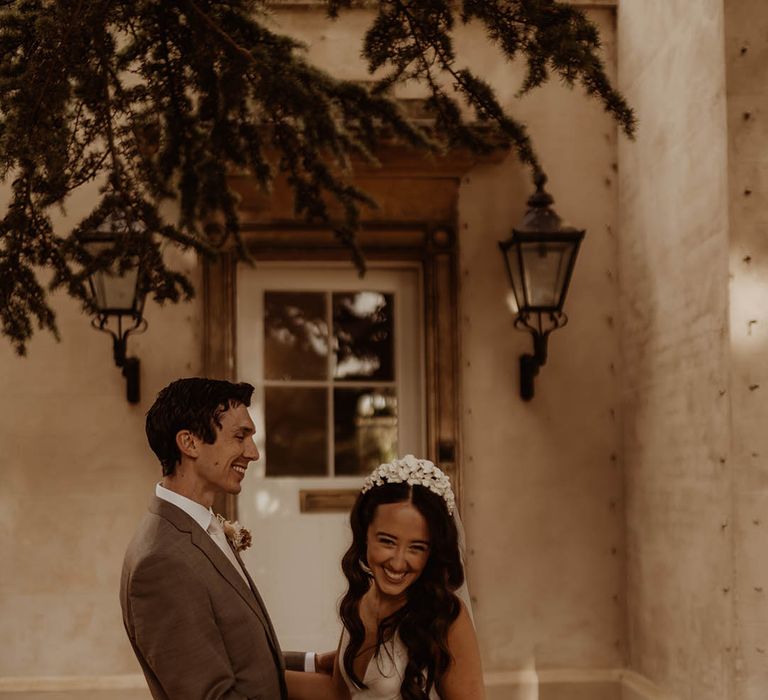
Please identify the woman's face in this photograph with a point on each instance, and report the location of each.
(398, 547)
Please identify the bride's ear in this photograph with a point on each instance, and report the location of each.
(187, 443)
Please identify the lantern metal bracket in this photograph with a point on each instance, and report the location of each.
(129, 365)
(530, 364)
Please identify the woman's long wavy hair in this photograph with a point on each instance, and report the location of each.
(431, 605)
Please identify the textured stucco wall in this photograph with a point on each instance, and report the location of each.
(543, 479)
(746, 49)
(76, 477)
(674, 252)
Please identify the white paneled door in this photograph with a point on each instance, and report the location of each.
(337, 362)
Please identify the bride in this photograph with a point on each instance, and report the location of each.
(406, 634)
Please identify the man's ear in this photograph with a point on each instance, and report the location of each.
(187, 443)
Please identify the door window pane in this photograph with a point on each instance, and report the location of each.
(295, 419)
(363, 336)
(295, 335)
(365, 428)
(302, 382)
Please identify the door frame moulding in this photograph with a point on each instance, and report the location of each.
(431, 244)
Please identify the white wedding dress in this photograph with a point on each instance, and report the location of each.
(384, 674)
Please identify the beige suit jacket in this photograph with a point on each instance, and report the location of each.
(197, 629)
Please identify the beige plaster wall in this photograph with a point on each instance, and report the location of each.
(76, 476)
(543, 478)
(746, 49)
(543, 485)
(676, 398)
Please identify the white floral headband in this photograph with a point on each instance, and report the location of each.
(416, 472)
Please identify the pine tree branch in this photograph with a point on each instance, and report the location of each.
(553, 34)
(387, 44)
(159, 101)
(220, 33)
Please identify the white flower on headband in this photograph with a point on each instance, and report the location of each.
(416, 472)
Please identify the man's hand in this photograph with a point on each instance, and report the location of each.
(324, 662)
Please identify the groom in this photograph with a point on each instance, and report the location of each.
(193, 615)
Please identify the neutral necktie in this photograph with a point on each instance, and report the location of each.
(216, 531)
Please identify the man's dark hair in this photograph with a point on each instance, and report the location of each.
(193, 404)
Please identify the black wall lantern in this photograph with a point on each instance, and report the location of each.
(539, 255)
(117, 293)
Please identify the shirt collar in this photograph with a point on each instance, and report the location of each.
(199, 513)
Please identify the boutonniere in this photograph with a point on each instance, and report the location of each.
(238, 535)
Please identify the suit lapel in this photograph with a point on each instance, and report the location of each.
(270, 629)
(202, 540)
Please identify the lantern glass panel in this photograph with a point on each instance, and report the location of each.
(514, 268)
(112, 291)
(116, 292)
(546, 265)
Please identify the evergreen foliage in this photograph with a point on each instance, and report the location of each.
(161, 99)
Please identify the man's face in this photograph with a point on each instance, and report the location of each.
(220, 467)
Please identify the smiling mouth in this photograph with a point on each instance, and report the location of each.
(393, 577)
(239, 470)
